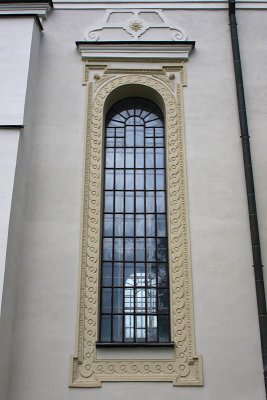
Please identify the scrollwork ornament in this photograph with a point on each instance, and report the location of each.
(185, 368)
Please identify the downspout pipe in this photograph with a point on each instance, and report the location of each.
(253, 219)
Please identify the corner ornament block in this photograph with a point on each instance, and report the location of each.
(105, 76)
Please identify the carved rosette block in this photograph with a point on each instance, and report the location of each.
(184, 368)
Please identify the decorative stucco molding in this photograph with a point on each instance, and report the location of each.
(41, 9)
(184, 368)
(132, 24)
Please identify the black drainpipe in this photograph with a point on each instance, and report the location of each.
(253, 219)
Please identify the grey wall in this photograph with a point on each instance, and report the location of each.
(46, 209)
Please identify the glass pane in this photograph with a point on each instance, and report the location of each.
(160, 181)
(129, 202)
(140, 275)
(149, 158)
(129, 274)
(160, 158)
(109, 179)
(161, 250)
(119, 179)
(119, 202)
(152, 328)
(117, 300)
(151, 274)
(150, 202)
(106, 300)
(150, 179)
(150, 225)
(109, 158)
(129, 300)
(160, 201)
(151, 300)
(140, 328)
(129, 225)
(140, 250)
(117, 328)
(129, 136)
(106, 274)
(108, 202)
(107, 249)
(129, 249)
(162, 275)
(161, 225)
(139, 179)
(139, 158)
(150, 250)
(108, 225)
(119, 158)
(164, 328)
(163, 301)
(118, 249)
(118, 225)
(118, 274)
(140, 300)
(129, 328)
(106, 328)
(139, 136)
(140, 225)
(139, 202)
(129, 162)
(129, 175)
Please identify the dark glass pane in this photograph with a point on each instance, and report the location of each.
(106, 274)
(117, 300)
(106, 300)
(164, 328)
(118, 274)
(151, 274)
(150, 225)
(161, 250)
(162, 275)
(129, 225)
(150, 250)
(152, 328)
(163, 301)
(161, 225)
(129, 249)
(139, 225)
(139, 249)
(107, 249)
(117, 328)
(106, 328)
(118, 249)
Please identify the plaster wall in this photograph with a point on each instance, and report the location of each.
(15, 47)
(49, 174)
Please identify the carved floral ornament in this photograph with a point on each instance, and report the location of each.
(128, 24)
(184, 368)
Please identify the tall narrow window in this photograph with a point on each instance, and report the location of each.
(134, 268)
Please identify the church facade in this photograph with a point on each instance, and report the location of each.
(130, 244)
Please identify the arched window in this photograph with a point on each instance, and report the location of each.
(134, 267)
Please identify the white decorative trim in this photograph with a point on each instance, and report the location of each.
(150, 4)
(136, 51)
(135, 25)
(40, 9)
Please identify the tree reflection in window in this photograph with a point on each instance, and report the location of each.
(134, 270)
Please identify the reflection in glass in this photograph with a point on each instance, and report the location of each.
(134, 269)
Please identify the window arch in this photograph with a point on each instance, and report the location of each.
(134, 267)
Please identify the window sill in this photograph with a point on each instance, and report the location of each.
(130, 345)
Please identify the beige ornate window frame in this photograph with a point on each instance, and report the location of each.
(161, 80)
